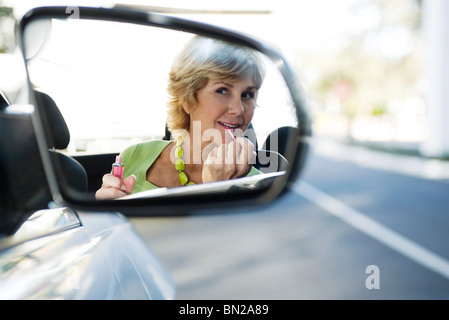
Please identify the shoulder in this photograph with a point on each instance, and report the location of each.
(144, 149)
(146, 146)
(253, 172)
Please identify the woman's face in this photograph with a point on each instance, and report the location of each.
(224, 105)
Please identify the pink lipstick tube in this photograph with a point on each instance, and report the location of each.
(118, 169)
(231, 134)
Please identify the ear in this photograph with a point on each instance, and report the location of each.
(186, 107)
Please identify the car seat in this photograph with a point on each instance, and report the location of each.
(277, 139)
(58, 138)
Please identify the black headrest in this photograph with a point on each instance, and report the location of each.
(277, 139)
(52, 116)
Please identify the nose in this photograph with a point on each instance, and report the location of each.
(236, 106)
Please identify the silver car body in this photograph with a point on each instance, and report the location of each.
(58, 254)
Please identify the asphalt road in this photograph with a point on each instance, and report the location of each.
(355, 226)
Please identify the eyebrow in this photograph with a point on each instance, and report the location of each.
(232, 86)
(222, 82)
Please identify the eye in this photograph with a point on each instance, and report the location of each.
(222, 91)
(248, 95)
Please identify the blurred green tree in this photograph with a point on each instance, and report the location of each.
(7, 27)
(380, 61)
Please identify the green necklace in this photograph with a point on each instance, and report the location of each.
(180, 165)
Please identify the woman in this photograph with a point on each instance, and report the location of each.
(213, 88)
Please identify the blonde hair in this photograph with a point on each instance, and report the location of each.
(201, 60)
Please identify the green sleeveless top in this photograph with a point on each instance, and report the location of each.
(139, 157)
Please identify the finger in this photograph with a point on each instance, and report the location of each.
(110, 181)
(252, 155)
(208, 150)
(246, 156)
(238, 150)
(229, 136)
(231, 153)
(209, 160)
(109, 193)
(212, 156)
(243, 151)
(129, 183)
(221, 154)
(252, 158)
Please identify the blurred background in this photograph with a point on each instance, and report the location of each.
(370, 67)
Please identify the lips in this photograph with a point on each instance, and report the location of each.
(229, 125)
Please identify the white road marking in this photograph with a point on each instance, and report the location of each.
(374, 229)
(415, 166)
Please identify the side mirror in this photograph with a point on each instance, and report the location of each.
(106, 70)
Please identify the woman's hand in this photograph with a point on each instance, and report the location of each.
(113, 187)
(229, 161)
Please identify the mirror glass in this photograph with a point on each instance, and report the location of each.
(109, 81)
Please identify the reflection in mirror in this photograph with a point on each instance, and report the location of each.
(169, 108)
